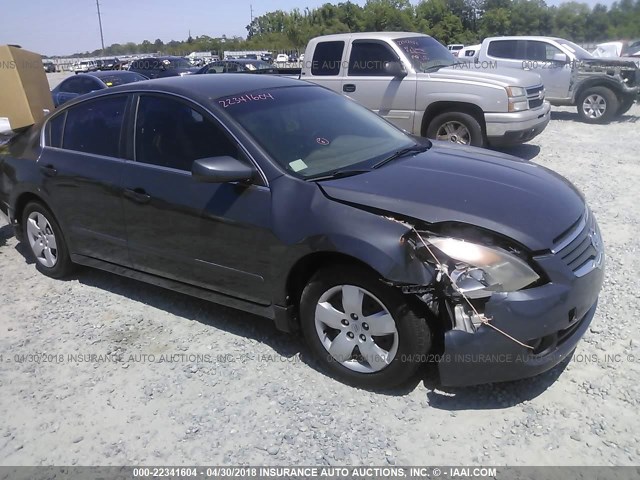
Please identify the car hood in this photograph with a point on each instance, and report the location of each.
(610, 62)
(523, 201)
(503, 77)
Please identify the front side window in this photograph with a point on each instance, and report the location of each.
(540, 51)
(95, 126)
(425, 53)
(369, 58)
(327, 58)
(310, 131)
(169, 133)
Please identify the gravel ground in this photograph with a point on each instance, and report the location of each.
(233, 390)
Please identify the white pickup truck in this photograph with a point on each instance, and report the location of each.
(601, 88)
(414, 82)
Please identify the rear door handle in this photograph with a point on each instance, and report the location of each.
(49, 170)
(137, 195)
(349, 88)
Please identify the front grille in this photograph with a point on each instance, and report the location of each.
(535, 96)
(581, 247)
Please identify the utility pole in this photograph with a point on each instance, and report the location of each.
(251, 7)
(100, 22)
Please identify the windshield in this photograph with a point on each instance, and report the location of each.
(577, 50)
(122, 78)
(425, 53)
(311, 131)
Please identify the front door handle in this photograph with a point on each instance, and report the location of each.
(49, 170)
(349, 88)
(138, 195)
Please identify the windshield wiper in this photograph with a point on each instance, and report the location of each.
(338, 174)
(417, 148)
(434, 68)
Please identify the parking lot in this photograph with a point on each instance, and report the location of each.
(103, 370)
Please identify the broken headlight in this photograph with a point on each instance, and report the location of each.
(479, 270)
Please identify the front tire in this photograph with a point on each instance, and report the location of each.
(362, 331)
(45, 240)
(456, 127)
(597, 105)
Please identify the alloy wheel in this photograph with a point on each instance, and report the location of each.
(356, 329)
(594, 106)
(42, 239)
(455, 132)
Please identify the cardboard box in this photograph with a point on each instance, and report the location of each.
(25, 97)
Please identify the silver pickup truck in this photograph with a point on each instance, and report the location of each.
(414, 82)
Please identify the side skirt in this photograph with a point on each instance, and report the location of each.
(271, 312)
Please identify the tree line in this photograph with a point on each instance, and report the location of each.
(449, 21)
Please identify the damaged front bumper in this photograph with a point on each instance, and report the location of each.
(552, 318)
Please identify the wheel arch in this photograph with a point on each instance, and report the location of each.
(305, 267)
(436, 108)
(604, 82)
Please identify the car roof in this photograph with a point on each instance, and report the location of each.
(203, 88)
(370, 35)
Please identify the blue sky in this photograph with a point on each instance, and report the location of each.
(66, 26)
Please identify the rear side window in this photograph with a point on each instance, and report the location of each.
(94, 127)
(369, 58)
(327, 58)
(171, 134)
(54, 131)
(503, 49)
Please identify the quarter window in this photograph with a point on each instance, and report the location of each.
(369, 58)
(169, 133)
(54, 131)
(503, 49)
(95, 126)
(327, 58)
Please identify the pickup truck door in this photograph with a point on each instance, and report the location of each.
(535, 56)
(552, 64)
(367, 82)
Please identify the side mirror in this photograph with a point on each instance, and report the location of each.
(560, 57)
(395, 69)
(221, 170)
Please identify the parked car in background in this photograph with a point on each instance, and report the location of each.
(455, 48)
(82, 84)
(242, 65)
(109, 64)
(469, 52)
(159, 67)
(85, 66)
(617, 49)
(293, 58)
(284, 199)
(602, 89)
(413, 81)
(282, 58)
(267, 57)
(49, 67)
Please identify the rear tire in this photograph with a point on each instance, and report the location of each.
(456, 127)
(45, 240)
(362, 331)
(597, 105)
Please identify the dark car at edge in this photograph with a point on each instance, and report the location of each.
(286, 200)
